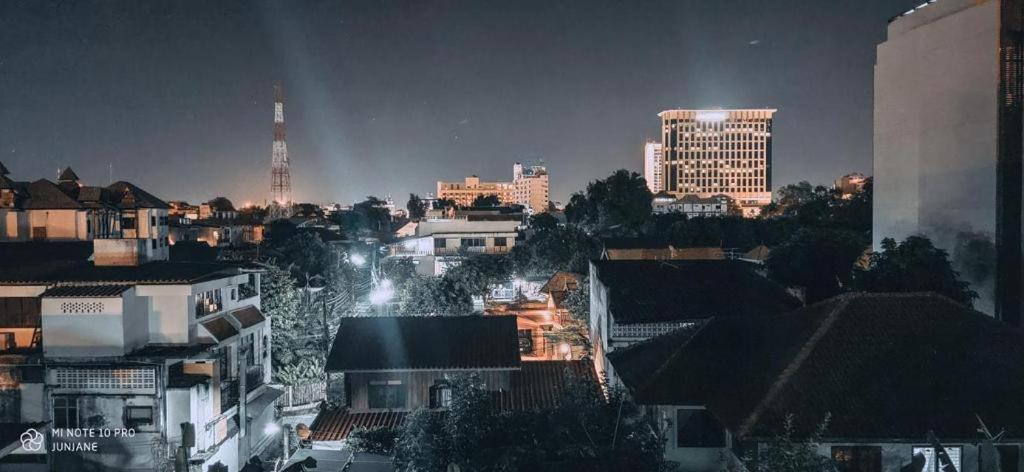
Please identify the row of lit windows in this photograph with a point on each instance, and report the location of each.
(106, 378)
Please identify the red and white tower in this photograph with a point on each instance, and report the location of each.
(280, 179)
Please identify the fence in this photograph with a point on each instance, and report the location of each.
(303, 395)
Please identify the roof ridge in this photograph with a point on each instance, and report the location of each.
(797, 362)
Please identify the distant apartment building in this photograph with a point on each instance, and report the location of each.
(849, 184)
(948, 141)
(654, 166)
(691, 205)
(710, 152)
(121, 214)
(529, 187)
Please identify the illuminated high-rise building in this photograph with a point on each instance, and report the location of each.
(715, 152)
(654, 169)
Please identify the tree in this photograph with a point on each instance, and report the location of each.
(280, 301)
(543, 222)
(619, 203)
(281, 231)
(490, 200)
(578, 302)
(914, 265)
(478, 273)
(787, 453)
(428, 295)
(416, 206)
(565, 248)
(369, 217)
(818, 259)
(584, 431)
(308, 256)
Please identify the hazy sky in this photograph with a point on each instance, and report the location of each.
(387, 97)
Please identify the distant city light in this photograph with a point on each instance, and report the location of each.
(712, 115)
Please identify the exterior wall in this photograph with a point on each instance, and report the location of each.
(22, 336)
(654, 168)
(897, 455)
(463, 193)
(13, 225)
(690, 459)
(599, 329)
(936, 84)
(60, 225)
(417, 385)
(87, 327)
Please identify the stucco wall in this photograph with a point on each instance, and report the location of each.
(90, 334)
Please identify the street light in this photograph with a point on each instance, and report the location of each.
(357, 259)
(383, 293)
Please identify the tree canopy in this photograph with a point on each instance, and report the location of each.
(818, 259)
(620, 203)
(914, 265)
(416, 206)
(489, 200)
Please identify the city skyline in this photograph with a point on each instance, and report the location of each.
(409, 95)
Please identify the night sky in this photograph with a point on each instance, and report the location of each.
(387, 97)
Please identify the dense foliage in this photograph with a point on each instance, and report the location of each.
(787, 453)
(584, 432)
(818, 259)
(416, 207)
(914, 265)
(619, 204)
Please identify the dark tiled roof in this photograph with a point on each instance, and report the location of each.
(413, 342)
(561, 281)
(248, 316)
(171, 351)
(83, 291)
(3, 170)
(886, 366)
(541, 384)
(220, 328)
(648, 291)
(127, 195)
(153, 273)
(635, 364)
(36, 253)
(335, 424)
(45, 195)
(20, 312)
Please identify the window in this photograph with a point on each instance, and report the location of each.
(697, 427)
(857, 458)
(525, 341)
(931, 463)
(386, 394)
(440, 394)
(500, 242)
(6, 341)
(38, 232)
(106, 379)
(152, 221)
(153, 243)
(138, 415)
(440, 243)
(65, 412)
(474, 242)
(1009, 458)
(127, 222)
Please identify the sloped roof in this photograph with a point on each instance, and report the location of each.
(84, 272)
(561, 281)
(425, 343)
(335, 424)
(647, 291)
(634, 243)
(220, 328)
(128, 196)
(635, 365)
(3, 169)
(20, 312)
(248, 316)
(542, 384)
(886, 366)
(45, 195)
(86, 291)
(67, 175)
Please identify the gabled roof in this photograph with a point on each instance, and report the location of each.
(220, 328)
(542, 384)
(425, 343)
(128, 196)
(634, 243)
(648, 291)
(561, 281)
(3, 169)
(20, 312)
(886, 366)
(67, 175)
(335, 424)
(248, 317)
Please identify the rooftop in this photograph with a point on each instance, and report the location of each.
(647, 291)
(84, 272)
(425, 343)
(849, 356)
(85, 291)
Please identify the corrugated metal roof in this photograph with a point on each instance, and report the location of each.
(86, 291)
(422, 343)
(541, 384)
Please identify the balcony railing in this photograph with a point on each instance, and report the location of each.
(253, 378)
(228, 394)
(454, 251)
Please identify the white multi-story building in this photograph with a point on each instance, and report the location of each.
(95, 338)
(654, 168)
(531, 187)
(443, 243)
(948, 142)
(710, 152)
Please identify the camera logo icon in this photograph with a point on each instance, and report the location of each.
(32, 440)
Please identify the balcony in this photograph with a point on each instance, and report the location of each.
(207, 307)
(455, 251)
(229, 387)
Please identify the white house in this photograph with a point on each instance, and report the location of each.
(442, 243)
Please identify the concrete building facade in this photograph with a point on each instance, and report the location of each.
(947, 140)
(710, 152)
(529, 187)
(654, 168)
